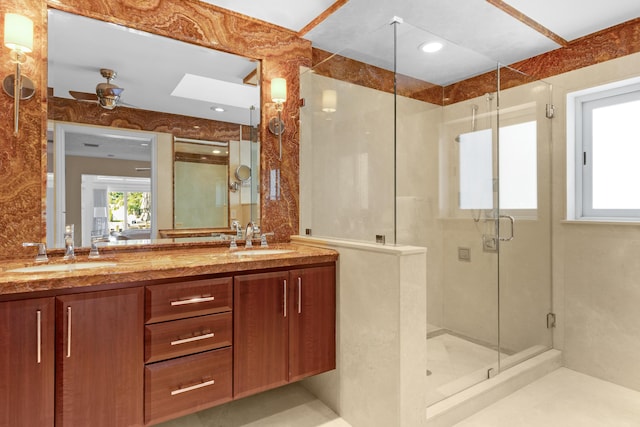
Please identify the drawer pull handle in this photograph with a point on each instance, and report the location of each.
(192, 301)
(193, 387)
(192, 339)
(284, 293)
(69, 331)
(299, 295)
(39, 335)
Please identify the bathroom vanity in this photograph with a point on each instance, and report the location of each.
(154, 335)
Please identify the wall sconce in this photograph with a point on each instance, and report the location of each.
(329, 101)
(18, 36)
(279, 96)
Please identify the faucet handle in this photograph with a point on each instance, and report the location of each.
(42, 251)
(233, 244)
(263, 239)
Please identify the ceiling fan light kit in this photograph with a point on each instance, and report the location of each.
(107, 94)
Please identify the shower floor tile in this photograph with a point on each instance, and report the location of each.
(560, 399)
(455, 364)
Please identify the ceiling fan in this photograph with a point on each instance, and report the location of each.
(107, 94)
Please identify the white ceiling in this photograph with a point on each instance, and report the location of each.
(479, 34)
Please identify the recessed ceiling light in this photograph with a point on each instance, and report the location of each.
(218, 109)
(430, 47)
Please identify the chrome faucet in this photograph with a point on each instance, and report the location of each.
(263, 239)
(251, 230)
(42, 251)
(93, 253)
(235, 225)
(69, 253)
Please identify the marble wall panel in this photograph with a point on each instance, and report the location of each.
(348, 70)
(68, 110)
(22, 156)
(611, 43)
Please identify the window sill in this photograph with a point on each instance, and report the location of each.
(602, 221)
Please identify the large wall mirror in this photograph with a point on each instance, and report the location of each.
(146, 134)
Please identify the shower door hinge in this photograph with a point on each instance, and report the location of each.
(550, 111)
(551, 320)
(491, 373)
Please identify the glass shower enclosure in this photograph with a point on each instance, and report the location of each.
(453, 159)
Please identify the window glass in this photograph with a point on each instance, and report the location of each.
(517, 165)
(606, 148)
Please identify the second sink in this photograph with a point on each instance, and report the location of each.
(252, 252)
(48, 268)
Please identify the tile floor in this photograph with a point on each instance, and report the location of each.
(455, 364)
(563, 398)
(288, 406)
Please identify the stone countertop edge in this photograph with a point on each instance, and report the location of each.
(155, 265)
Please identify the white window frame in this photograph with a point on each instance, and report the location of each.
(579, 180)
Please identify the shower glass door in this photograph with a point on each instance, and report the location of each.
(524, 216)
(447, 201)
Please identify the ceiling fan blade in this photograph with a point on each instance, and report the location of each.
(84, 96)
(125, 104)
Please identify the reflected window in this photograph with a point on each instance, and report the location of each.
(517, 168)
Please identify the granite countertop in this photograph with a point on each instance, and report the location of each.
(144, 265)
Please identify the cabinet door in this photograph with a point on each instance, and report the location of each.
(99, 359)
(26, 363)
(260, 332)
(312, 333)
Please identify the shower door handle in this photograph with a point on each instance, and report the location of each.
(511, 221)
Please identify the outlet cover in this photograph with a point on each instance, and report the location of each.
(464, 254)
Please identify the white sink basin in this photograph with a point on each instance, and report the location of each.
(47, 268)
(252, 252)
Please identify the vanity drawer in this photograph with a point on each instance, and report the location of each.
(181, 337)
(186, 299)
(187, 384)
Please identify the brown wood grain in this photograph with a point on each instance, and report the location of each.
(159, 336)
(312, 324)
(164, 377)
(100, 382)
(159, 298)
(26, 386)
(260, 333)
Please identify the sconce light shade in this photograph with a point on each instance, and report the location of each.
(278, 90)
(18, 36)
(329, 100)
(18, 32)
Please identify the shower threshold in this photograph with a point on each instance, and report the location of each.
(526, 367)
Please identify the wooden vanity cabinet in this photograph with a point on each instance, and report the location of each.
(27, 363)
(188, 347)
(99, 359)
(312, 326)
(260, 332)
(284, 327)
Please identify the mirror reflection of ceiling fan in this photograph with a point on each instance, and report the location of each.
(107, 94)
